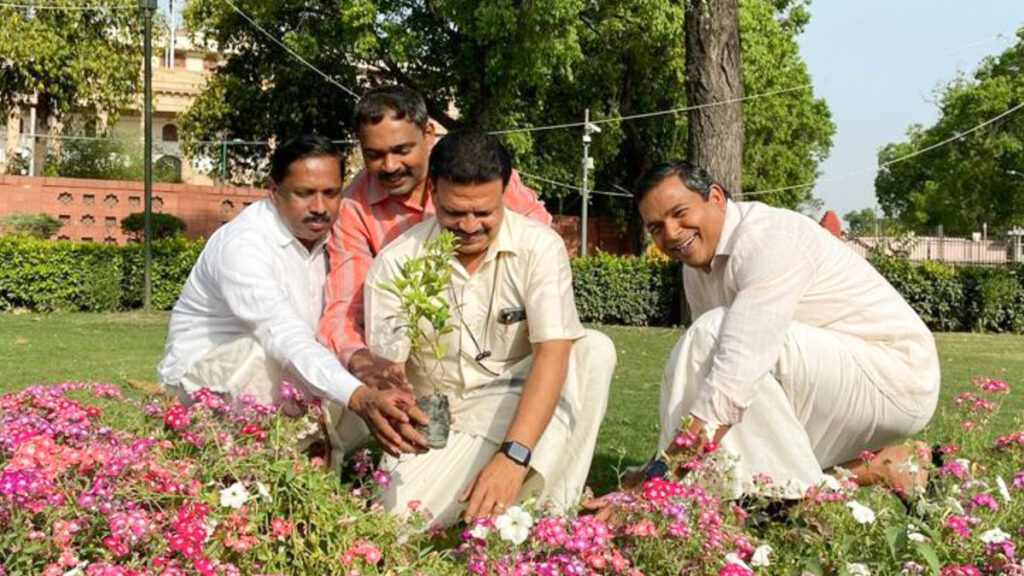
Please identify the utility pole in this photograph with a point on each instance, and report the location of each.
(588, 165)
(148, 7)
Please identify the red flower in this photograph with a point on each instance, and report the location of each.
(176, 417)
(115, 545)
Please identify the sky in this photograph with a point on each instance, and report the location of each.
(878, 64)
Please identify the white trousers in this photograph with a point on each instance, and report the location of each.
(436, 478)
(815, 409)
(236, 368)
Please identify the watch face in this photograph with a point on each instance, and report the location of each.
(517, 452)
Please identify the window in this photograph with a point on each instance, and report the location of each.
(170, 133)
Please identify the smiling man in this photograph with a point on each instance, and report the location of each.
(390, 196)
(247, 316)
(801, 355)
(527, 385)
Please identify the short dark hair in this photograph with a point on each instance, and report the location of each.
(470, 156)
(402, 102)
(298, 148)
(694, 177)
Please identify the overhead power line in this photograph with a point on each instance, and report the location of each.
(79, 7)
(270, 36)
(953, 138)
(570, 186)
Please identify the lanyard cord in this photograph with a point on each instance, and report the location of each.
(482, 353)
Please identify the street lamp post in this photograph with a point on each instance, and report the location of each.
(147, 8)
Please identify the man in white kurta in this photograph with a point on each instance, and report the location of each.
(246, 318)
(517, 297)
(800, 351)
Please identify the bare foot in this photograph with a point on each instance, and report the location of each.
(902, 467)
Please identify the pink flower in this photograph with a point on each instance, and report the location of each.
(642, 528)
(985, 500)
(732, 569)
(176, 417)
(990, 385)
(115, 545)
(280, 528)
(959, 525)
(960, 570)
(382, 478)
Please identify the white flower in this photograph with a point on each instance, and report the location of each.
(733, 558)
(234, 496)
(993, 536)
(78, 570)
(480, 532)
(857, 569)
(861, 513)
(1003, 490)
(954, 505)
(760, 555)
(263, 491)
(831, 483)
(514, 525)
(916, 537)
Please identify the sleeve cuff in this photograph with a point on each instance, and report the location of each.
(714, 407)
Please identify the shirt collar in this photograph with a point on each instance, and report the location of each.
(282, 235)
(727, 237)
(505, 241)
(376, 194)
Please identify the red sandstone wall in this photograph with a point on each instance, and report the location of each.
(92, 209)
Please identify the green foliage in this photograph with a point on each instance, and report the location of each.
(976, 181)
(615, 57)
(933, 289)
(630, 290)
(69, 59)
(36, 225)
(48, 276)
(420, 287)
(995, 299)
(164, 225)
(106, 158)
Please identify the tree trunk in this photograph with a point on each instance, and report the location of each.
(715, 140)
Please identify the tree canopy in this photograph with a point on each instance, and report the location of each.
(507, 65)
(69, 59)
(976, 179)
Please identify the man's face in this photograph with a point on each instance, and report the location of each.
(472, 211)
(684, 225)
(308, 196)
(396, 152)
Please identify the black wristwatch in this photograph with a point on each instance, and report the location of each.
(516, 452)
(657, 468)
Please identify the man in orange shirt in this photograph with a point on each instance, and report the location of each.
(390, 196)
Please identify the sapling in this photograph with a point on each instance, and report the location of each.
(424, 318)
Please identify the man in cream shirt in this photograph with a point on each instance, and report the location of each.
(247, 316)
(527, 384)
(801, 355)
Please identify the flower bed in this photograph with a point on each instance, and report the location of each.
(215, 489)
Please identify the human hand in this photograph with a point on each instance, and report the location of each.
(494, 489)
(391, 416)
(378, 372)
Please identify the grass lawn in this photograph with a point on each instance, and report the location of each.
(125, 348)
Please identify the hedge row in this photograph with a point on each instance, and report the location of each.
(46, 276)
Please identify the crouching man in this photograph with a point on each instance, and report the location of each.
(248, 314)
(528, 386)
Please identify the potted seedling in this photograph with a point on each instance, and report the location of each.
(424, 319)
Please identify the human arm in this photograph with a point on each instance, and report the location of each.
(342, 325)
(500, 480)
(771, 277)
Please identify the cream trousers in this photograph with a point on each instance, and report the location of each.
(815, 408)
(435, 479)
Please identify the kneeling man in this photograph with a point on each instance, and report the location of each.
(527, 384)
(800, 353)
(247, 316)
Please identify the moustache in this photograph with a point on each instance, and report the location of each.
(396, 174)
(314, 218)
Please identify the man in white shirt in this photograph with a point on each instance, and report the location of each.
(527, 385)
(801, 355)
(247, 316)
